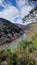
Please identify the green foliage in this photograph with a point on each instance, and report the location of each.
(24, 54)
(11, 59)
(29, 45)
(35, 41)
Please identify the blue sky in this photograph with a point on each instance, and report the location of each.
(13, 2)
(15, 10)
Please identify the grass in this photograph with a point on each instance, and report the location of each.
(26, 52)
(31, 30)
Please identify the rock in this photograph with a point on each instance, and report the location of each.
(3, 63)
(8, 31)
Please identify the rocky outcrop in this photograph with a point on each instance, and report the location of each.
(8, 32)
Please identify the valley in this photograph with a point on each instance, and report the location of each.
(18, 42)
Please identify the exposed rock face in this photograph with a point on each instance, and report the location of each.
(8, 32)
(31, 17)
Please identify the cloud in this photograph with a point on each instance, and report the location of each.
(23, 7)
(9, 12)
(20, 3)
(1, 2)
(25, 10)
(13, 13)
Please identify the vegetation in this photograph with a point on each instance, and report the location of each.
(24, 54)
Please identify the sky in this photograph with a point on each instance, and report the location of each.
(15, 10)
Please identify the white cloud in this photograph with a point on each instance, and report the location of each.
(1, 2)
(25, 10)
(13, 14)
(20, 3)
(9, 12)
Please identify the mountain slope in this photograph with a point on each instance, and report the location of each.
(30, 30)
(31, 17)
(26, 51)
(8, 31)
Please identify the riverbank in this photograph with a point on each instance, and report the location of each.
(13, 44)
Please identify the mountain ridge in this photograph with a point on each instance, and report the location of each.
(8, 31)
(31, 17)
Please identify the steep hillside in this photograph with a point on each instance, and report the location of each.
(31, 17)
(25, 53)
(30, 30)
(8, 32)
